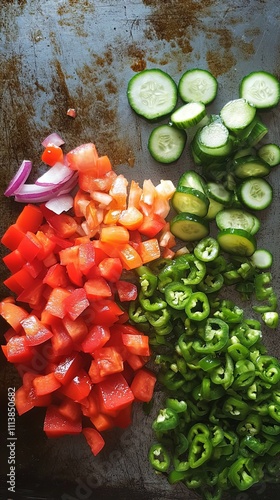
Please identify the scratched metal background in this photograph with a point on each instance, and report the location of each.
(56, 54)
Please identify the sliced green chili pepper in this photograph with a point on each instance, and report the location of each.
(274, 411)
(173, 271)
(148, 280)
(197, 307)
(159, 457)
(176, 476)
(217, 434)
(209, 362)
(158, 318)
(238, 351)
(270, 428)
(167, 419)
(270, 306)
(271, 319)
(244, 374)
(211, 283)
(136, 312)
(251, 425)
(207, 249)
(155, 303)
(247, 336)
(176, 405)
(223, 374)
(235, 408)
(200, 450)
(258, 445)
(215, 337)
(177, 295)
(268, 369)
(242, 473)
(262, 290)
(229, 312)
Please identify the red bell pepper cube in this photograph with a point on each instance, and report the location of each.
(89, 405)
(114, 392)
(68, 368)
(70, 409)
(36, 332)
(29, 247)
(56, 425)
(124, 417)
(110, 268)
(56, 276)
(13, 314)
(12, 237)
(14, 261)
(105, 312)
(17, 350)
(136, 362)
(86, 257)
(97, 289)
(102, 422)
(75, 274)
(45, 384)
(76, 328)
(76, 302)
(94, 439)
(136, 343)
(62, 343)
(126, 291)
(47, 245)
(56, 302)
(109, 361)
(79, 387)
(143, 385)
(96, 338)
(30, 218)
(35, 267)
(152, 224)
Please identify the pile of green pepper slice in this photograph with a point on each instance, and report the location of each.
(220, 427)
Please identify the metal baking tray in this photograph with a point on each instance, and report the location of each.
(60, 54)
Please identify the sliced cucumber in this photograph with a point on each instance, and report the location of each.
(270, 153)
(166, 143)
(218, 193)
(213, 209)
(198, 85)
(186, 199)
(189, 227)
(262, 258)
(212, 143)
(261, 89)
(188, 115)
(192, 179)
(152, 93)
(236, 218)
(250, 166)
(237, 115)
(255, 193)
(257, 133)
(237, 242)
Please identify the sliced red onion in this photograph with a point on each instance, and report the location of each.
(54, 139)
(61, 203)
(55, 175)
(33, 193)
(19, 178)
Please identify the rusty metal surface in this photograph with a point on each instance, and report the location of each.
(57, 54)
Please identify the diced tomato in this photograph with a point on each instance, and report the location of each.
(131, 218)
(55, 424)
(149, 250)
(143, 385)
(112, 216)
(94, 439)
(114, 392)
(152, 224)
(45, 384)
(52, 154)
(83, 158)
(114, 235)
(79, 387)
(135, 193)
(96, 338)
(81, 200)
(129, 256)
(103, 166)
(118, 191)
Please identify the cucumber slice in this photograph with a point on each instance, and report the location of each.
(261, 89)
(236, 218)
(188, 115)
(257, 133)
(237, 242)
(190, 200)
(255, 193)
(262, 258)
(212, 143)
(189, 227)
(198, 85)
(218, 192)
(214, 208)
(237, 115)
(270, 153)
(250, 166)
(166, 143)
(192, 179)
(152, 93)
